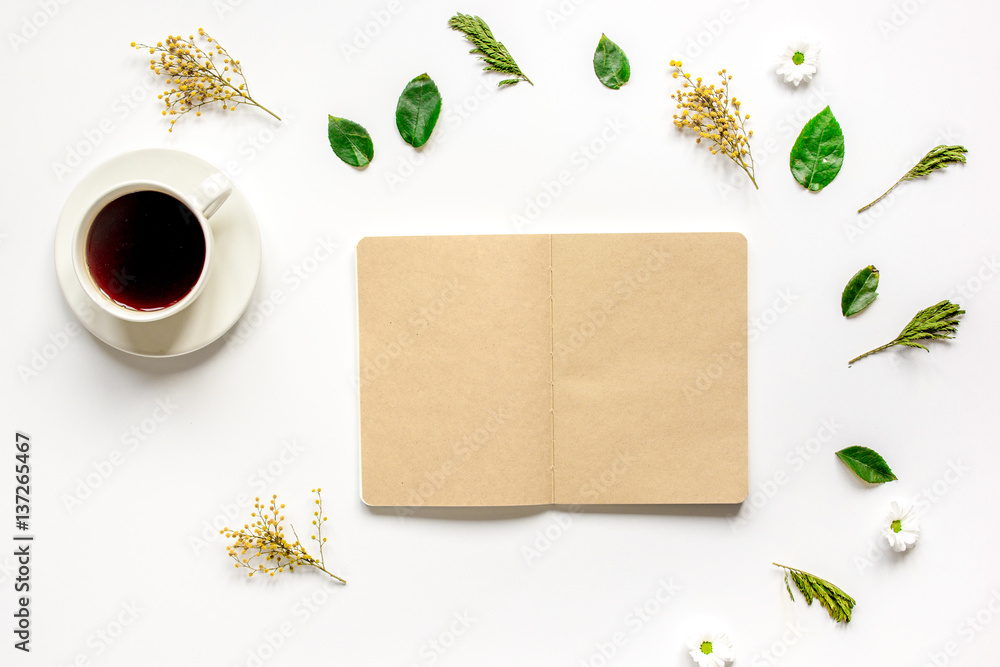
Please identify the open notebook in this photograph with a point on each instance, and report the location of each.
(565, 368)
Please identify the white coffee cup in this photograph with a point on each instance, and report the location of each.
(194, 207)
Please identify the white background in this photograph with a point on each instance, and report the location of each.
(901, 77)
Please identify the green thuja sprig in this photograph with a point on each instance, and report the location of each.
(939, 157)
(937, 321)
(490, 51)
(836, 602)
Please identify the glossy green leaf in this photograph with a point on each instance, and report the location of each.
(350, 141)
(611, 64)
(818, 153)
(860, 291)
(867, 464)
(417, 110)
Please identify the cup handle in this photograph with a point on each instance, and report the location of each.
(211, 194)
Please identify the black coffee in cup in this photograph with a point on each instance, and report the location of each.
(145, 250)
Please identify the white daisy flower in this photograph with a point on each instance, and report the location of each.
(798, 62)
(711, 649)
(901, 527)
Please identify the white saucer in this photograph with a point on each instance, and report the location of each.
(236, 263)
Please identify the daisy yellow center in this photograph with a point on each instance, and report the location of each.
(897, 526)
(706, 648)
(799, 58)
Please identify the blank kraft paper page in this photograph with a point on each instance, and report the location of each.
(537, 369)
(637, 319)
(455, 370)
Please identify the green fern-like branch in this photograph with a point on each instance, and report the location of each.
(938, 157)
(490, 51)
(937, 321)
(836, 602)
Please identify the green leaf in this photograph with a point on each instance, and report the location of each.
(350, 141)
(417, 110)
(836, 602)
(611, 64)
(860, 291)
(867, 464)
(818, 153)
